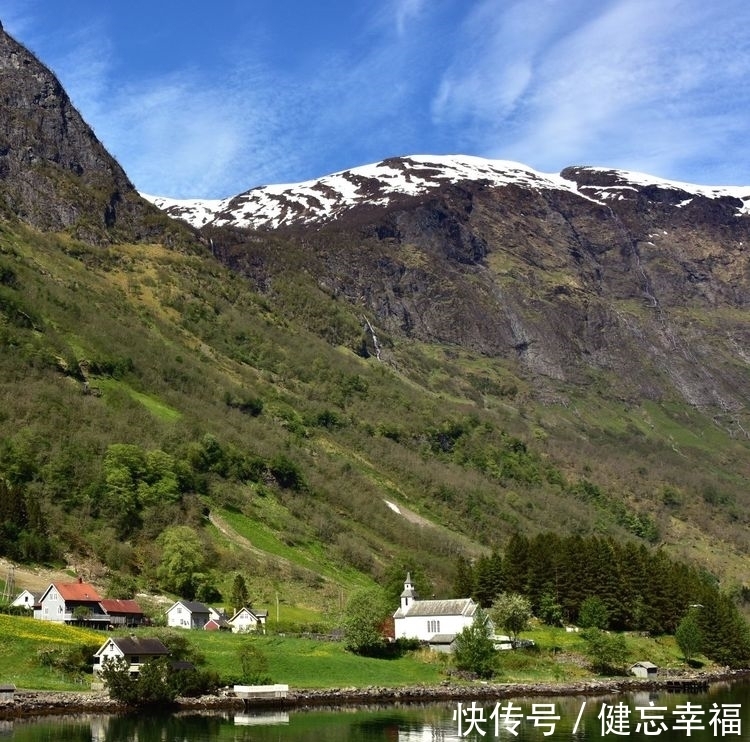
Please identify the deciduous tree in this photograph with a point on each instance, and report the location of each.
(365, 612)
(183, 559)
(688, 635)
(512, 612)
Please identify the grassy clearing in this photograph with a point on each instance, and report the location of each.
(309, 663)
(308, 556)
(156, 407)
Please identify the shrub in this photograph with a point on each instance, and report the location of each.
(254, 664)
(474, 650)
(607, 652)
(151, 687)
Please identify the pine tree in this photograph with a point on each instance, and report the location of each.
(463, 580)
(515, 564)
(240, 598)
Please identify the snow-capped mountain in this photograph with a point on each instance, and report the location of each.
(324, 199)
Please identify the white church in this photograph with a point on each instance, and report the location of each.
(434, 621)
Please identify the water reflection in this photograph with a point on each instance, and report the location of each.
(261, 719)
(580, 720)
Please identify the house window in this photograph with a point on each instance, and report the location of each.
(433, 627)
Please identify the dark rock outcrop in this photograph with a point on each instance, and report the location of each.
(54, 173)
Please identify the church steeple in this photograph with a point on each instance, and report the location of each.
(409, 594)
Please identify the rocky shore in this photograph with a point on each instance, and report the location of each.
(38, 703)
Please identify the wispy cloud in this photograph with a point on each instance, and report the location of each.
(656, 86)
(406, 11)
(634, 83)
(187, 136)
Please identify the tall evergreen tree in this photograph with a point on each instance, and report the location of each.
(726, 638)
(484, 582)
(463, 579)
(515, 564)
(240, 597)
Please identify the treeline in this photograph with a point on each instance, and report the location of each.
(638, 589)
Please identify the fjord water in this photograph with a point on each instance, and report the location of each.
(407, 723)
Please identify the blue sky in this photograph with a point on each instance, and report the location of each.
(208, 99)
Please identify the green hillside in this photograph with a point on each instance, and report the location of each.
(146, 387)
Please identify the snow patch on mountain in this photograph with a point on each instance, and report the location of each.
(323, 199)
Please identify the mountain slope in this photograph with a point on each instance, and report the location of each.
(325, 199)
(590, 273)
(522, 378)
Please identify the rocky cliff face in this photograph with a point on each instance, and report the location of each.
(54, 172)
(594, 277)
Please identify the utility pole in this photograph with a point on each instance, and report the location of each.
(10, 586)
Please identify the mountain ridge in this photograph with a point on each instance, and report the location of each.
(54, 172)
(324, 199)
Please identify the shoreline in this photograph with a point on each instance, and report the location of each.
(30, 703)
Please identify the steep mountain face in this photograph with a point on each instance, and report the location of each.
(54, 172)
(524, 321)
(592, 275)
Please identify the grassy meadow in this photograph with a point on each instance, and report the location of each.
(311, 663)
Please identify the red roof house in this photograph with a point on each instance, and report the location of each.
(66, 602)
(122, 612)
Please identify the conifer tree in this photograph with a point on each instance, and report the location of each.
(463, 580)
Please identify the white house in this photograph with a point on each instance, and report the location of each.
(27, 600)
(423, 619)
(60, 601)
(186, 614)
(248, 620)
(135, 650)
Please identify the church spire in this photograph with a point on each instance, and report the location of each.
(409, 594)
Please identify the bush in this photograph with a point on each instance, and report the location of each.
(607, 652)
(194, 682)
(74, 659)
(475, 651)
(151, 687)
(254, 664)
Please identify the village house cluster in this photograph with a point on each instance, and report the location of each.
(79, 603)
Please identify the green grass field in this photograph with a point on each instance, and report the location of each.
(310, 663)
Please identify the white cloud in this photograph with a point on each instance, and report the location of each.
(655, 86)
(553, 83)
(406, 11)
